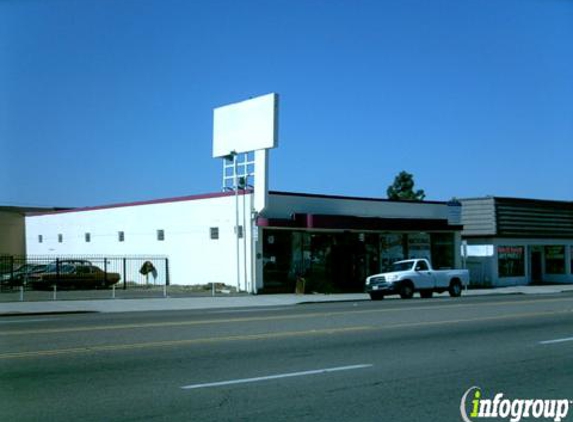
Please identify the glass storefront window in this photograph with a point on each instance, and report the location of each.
(419, 246)
(277, 256)
(511, 261)
(391, 249)
(443, 250)
(555, 259)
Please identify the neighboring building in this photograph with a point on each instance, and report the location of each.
(13, 229)
(333, 242)
(514, 241)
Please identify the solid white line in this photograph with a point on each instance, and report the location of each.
(272, 377)
(559, 340)
(14, 321)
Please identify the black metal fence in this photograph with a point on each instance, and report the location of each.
(83, 272)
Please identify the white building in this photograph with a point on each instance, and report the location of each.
(334, 242)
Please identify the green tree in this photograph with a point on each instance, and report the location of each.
(403, 188)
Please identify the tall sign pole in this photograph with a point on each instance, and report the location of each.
(243, 129)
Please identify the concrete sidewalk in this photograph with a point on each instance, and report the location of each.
(197, 303)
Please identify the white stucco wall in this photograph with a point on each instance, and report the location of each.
(193, 256)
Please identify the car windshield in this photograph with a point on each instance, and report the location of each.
(401, 266)
(24, 268)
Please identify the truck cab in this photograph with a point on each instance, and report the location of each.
(415, 275)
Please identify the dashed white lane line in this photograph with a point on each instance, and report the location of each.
(559, 340)
(274, 377)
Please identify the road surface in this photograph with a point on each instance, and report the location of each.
(394, 360)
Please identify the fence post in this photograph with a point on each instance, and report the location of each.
(113, 291)
(57, 268)
(11, 267)
(124, 273)
(55, 296)
(167, 271)
(164, 290)
(21, 293)
(213, 289)
(105, 270)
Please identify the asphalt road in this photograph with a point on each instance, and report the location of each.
(392, 360)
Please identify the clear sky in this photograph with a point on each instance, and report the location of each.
(105, 101)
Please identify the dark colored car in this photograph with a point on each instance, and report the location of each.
(20, 275)
(73, 276)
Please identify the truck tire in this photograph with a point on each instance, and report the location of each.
(455, 289)
(376, 296)
(426, 294)
(406, 290)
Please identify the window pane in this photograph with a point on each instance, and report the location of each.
(510, 261)
(555, 259)
(214, 231)
(419, 245)
(391, 249)
(443, 250)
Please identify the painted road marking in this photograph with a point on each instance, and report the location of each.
(15, 321)
(266, 336)
(274, 377)
(559, 340)
(88, 328)
(240, 311)
(185, 342)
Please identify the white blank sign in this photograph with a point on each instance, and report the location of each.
(249, 125)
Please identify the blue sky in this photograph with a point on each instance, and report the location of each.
(111, 100)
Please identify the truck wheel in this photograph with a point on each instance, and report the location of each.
(376, 296)
(455, 289)
(406, 290)
(426, 294)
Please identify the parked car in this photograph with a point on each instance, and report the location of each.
(20, 275)
(73, 276)
(416, 275)
(71, 262)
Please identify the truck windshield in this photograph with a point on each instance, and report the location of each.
(401, 266)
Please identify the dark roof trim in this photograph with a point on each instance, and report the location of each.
(353, 198)
(553, 237)
(529, 201)
(24, 210)
(150, 202)
(346, 222)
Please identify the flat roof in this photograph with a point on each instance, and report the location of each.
(529, 201)
(354, 198)
(138, 203)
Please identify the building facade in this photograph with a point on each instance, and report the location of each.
(332, 242)
(514, 241)
(335, 242)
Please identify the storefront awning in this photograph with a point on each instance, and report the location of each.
(347, 222)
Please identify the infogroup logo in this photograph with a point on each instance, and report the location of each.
(513, 409)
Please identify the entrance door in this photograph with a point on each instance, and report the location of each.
(536, 267)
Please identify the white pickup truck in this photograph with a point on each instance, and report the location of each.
(415, 275)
